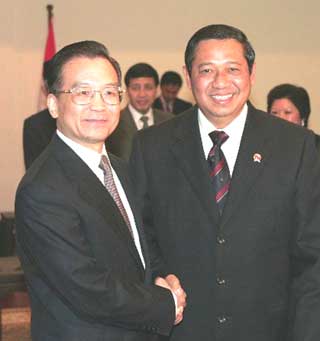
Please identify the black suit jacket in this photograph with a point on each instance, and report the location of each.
(179, 105)
(84, 275)
(38, 130)
(120, 141)
(252, 274)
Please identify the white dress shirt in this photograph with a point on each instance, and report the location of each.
(234, 130)
(136, 115)
(92, 160)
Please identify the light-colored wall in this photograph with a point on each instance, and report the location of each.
(284, 34)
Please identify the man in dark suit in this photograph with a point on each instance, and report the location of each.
(170, 85)
(141, 81)
(246, 248)
(79, 235)
(38, 130)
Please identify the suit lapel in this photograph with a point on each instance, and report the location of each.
(125, 181)
(156, 116)
(127, 123)
(94, 193)
(188, 151)
(255, 141)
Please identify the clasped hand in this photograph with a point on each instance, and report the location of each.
(172, 283)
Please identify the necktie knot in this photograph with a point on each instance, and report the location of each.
(104, 164)
(218, 137)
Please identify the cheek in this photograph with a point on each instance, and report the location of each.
(243, 84)
(200, 85)
(152, 93)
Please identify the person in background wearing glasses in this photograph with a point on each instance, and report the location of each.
(79, 234)
(142, 81)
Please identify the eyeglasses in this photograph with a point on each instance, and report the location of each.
(83, 95)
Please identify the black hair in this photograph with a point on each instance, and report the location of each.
(219, 32)
(296, 94)
(87, 48)
(171, 77)
(141, 70)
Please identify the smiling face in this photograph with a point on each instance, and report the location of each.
(90, 124)
(142, 92)
(220, 80)
(286, 110)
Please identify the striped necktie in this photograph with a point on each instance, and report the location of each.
(219, 170)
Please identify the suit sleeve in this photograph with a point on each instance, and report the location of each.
(305, 289)
(32, 144)
(29, 149)
(51, 239)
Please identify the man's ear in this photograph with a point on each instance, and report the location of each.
(186, 76)
(52, 104)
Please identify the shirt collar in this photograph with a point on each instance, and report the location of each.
(138, 114)
(234, 129)
(89, 156)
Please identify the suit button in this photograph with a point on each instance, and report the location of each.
(221, 281)
(222, 319)
(220, 240)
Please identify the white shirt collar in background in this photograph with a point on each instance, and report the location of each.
(136, 115)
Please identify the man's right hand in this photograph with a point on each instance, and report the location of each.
(172, 283)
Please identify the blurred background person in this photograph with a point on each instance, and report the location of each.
(291, 103)
(38, 128)
(141, 81)
(168, 101)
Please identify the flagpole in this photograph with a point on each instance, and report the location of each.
(50, 50)
(50, 12)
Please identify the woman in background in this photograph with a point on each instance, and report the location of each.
(291, 103)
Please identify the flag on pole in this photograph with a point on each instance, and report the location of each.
(49, 52)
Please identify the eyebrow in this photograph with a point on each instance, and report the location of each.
(227, 62)
(86, 83)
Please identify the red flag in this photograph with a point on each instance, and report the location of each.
(50, 44)
(49, 52)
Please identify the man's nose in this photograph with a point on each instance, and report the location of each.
(220, 79)
(97, 100)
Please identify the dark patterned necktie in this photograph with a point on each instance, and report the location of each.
(219, 170)
(144, 119)
(112, 189)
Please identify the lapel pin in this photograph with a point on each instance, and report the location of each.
(257, 157)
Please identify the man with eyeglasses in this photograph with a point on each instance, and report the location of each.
(142, 81)
(79, 234)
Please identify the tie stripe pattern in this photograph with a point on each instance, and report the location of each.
(112, 189)
(219, 170)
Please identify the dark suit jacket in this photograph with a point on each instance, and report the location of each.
(179, 105)
(120, 141)
(38, 130)
(84, 275)
(254, 273)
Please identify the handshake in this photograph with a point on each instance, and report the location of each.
(172, 283)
